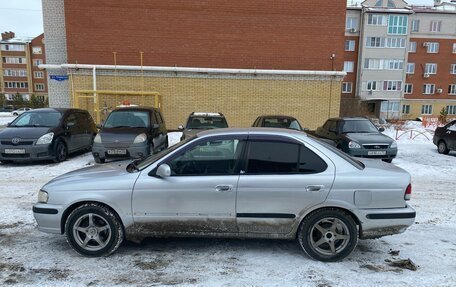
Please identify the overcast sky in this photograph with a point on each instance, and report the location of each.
(25, 18)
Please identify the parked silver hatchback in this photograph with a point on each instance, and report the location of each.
(239, 183)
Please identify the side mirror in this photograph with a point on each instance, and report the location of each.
(155, 126)
(381, 129)
(180, 127)
(99, 126)
(305, 129)
(163, 171)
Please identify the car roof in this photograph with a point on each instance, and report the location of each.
(252, 130)
(135, 108)
(277, 117)
(349, 119)
(60, 110)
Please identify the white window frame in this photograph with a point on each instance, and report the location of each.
(395, 42)
(405, 109)
(432, 47)
(372, 86)
(430, 68)
(412, 47)
(436, 26)
(37, 50)
(351, 23)
(375, 42)
(40, 87)
(452, 89)
(13, 47)
(38, 74)
(451, 109)
(347, 87)
(410, 68)
(351, 45)
(428, 89)
(37, 62)
(349, 66)
(392, 86)
(408, 88)
(453, 69)
(390, 106)
(415, 26)
(399, 28)
(454, 48)
(14, 60)
(426, 109)
(14, 73)
(377, 20)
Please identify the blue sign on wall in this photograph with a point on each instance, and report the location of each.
(59, 77)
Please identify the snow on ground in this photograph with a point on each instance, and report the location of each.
(5, 118)
(29, 257)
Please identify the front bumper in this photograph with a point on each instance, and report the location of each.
(31, 152)
(389, 153)
(376, 223)
(48, 217)
(132, 151)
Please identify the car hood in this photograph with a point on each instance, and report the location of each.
(369, 138)
(120, 134)
(24, 132)
(107, 176)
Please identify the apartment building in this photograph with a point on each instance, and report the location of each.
(19, 72)
(399, 59)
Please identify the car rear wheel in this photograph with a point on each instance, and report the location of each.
(328, 234)
(93, 230)
(442, 147)
(60, 151)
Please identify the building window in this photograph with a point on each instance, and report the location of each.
(430, 68)
(373, 64)
(39, 87)
(405, 109)
(390, 106)
(375, 42)
(394, 42)
(38, 74)
(428, 89)
(9, 47)
(371, 86)
(391, 64)
(37, 62)
(426, 109)
(379, 3)
(435, 26)
(415, 25)
(410, 68)
(37, 50)
(397, 25)
(453, 69)
(351, 23)
(392, 85)
(378, 20)
(348, 66)
(13, 60)
(14, 73)
(346, 87)
(408, 88)
(412, 47)
(16, 85)
(349, 45)
(432, 47)
(454, 48)
(451, 110)
(452, 89)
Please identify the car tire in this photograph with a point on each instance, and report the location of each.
(94, 230)
(442, 147)
(99, 160)
(6, 161)
(328, 234)
(60, 151)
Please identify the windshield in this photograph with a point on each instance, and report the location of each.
(37, 119)
(142, 163)
(206, 123)
(285, 123)
(361, 126)
(133, 119)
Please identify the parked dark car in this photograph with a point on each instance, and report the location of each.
(7, 108)
(197, 122)
(445, 138)
(132, 132)
(47, 134)
(276, 121)
(358, 137)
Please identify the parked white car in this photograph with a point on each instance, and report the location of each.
(20, 111)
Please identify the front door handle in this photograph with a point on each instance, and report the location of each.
(223, 188)
(314, 187)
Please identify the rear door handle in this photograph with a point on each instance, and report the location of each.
(314, 187)
(223, 188)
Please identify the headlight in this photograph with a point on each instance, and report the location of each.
(353, 144)
(43, 196)
(46, 139)
(97, 139)
(394, 145)
(140, 138)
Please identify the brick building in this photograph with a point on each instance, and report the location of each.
(242, 58)
(19, 72)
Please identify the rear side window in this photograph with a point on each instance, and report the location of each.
(273, 157)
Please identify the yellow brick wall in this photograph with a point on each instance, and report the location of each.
(240, 100)
(437, 105)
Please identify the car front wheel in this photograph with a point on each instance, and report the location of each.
(328, 234)
(442, 148)
(60, 151)
(93, 230)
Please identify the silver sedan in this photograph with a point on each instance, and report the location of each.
(236, 183)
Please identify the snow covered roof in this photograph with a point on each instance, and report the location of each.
(17, 40)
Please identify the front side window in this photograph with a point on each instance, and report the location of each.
(274, 157)
(133, 119)
(212, 157)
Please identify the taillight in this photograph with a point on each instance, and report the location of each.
(408, 192)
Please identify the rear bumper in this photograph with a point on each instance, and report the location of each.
(32, 153)
(376, 223)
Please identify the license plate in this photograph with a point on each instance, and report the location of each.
(15, 150)
(117, 151)
(377, 152)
